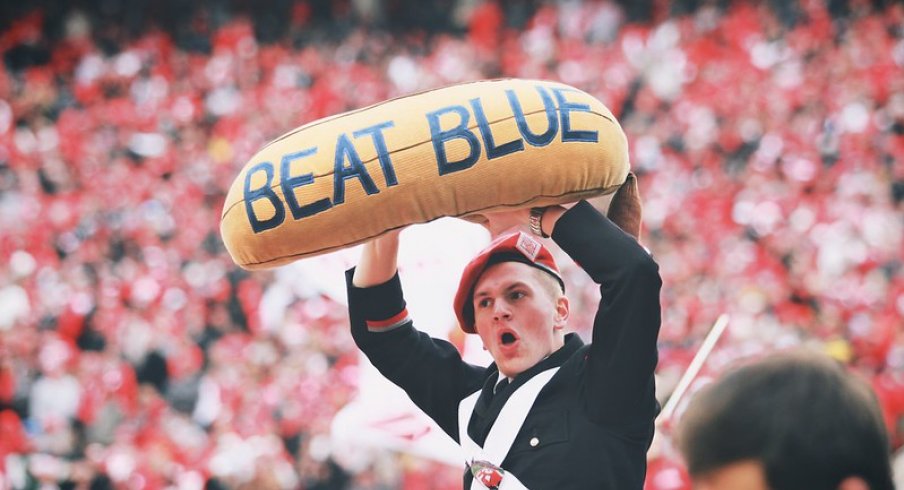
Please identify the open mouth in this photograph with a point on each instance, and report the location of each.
(508, 338)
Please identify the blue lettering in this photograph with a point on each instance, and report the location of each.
(376, 133)
(493, 151)
(346, 151)
(550, 108)
(264, 192)
(440, 137)
(290, 183)
(566, 108)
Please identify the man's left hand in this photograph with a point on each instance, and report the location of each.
(499, 222)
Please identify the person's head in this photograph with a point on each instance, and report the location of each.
(792, 421)
(511, 294)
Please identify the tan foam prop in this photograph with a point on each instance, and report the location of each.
(457, 151)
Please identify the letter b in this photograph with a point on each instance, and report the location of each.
(461, 131)
(263, 192)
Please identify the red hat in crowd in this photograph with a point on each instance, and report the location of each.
(512, 247)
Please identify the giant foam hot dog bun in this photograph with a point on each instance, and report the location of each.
(459, 151)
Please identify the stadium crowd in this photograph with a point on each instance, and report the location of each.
(768, 141)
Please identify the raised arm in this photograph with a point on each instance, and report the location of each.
(623, 355)
(379, 261)
(430, 371)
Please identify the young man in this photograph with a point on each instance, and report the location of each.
(792, 421)
(550, 412)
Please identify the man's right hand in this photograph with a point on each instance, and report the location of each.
(379, 260)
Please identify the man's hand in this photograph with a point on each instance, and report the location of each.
(379, 260)
(502, 221)
(626, 209)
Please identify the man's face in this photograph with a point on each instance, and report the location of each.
(518, 319)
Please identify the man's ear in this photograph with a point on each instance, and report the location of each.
(853, 483)
(563, 308)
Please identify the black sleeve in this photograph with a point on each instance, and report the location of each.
(430, 370)
(619, 384)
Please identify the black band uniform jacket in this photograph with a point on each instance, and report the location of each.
(591, 425)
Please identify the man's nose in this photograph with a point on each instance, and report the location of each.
(501, 311)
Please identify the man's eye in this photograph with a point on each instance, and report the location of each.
(483, 303)
(516, 295)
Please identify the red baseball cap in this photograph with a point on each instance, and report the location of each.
(512, 247)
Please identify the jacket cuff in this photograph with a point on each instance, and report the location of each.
(573, 218)
(382, 307)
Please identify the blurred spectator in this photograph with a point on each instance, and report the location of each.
(786, 421)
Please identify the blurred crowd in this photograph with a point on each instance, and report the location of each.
(768, 140)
